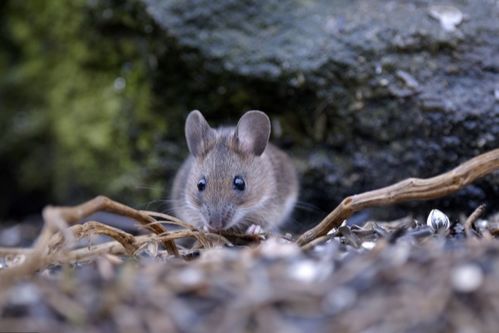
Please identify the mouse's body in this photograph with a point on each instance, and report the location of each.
(233, 178)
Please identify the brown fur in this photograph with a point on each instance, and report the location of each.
(220, 155)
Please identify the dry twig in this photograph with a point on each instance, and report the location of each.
(406, 190)
(472, 218)
(93, 227)
(54, 251)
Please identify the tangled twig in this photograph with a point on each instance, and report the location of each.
(72, 215)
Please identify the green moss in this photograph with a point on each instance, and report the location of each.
(82, 92)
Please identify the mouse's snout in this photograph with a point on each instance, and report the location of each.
(219, 217)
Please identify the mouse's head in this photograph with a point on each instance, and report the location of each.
(229, 178)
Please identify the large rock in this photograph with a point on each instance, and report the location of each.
(370, 92)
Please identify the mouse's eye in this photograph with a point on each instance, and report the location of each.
(202, 184)
(239, 183)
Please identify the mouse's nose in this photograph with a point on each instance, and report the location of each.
(216, 221)
(219, 218)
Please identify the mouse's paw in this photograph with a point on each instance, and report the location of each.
(254, 229)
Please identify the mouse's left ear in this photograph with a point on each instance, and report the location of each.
(253, 132)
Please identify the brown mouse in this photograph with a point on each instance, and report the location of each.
(234, 178)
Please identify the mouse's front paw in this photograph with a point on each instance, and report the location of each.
(254, 229)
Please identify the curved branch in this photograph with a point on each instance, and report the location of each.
(406, 190)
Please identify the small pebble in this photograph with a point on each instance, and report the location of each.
(275, 248)
(152, 248)
(368, 245)
(400, 253)
(24, 294)
(467, 278)
(340, 299)
(482, 224)
(304, 271)
(191, 277)
(10, 236)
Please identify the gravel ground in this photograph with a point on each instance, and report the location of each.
(401, 276)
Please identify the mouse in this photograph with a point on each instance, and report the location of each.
(233, 178)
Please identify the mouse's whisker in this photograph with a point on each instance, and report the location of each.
(305, 206)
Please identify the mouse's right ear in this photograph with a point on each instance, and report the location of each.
(199, 135)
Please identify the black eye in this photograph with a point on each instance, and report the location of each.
(239, 183)
(202, 184)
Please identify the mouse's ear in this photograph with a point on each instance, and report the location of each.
(253, 132)
(199, 135)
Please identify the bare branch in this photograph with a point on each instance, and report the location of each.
(406, 190)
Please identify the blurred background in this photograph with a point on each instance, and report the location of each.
(94, 94)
